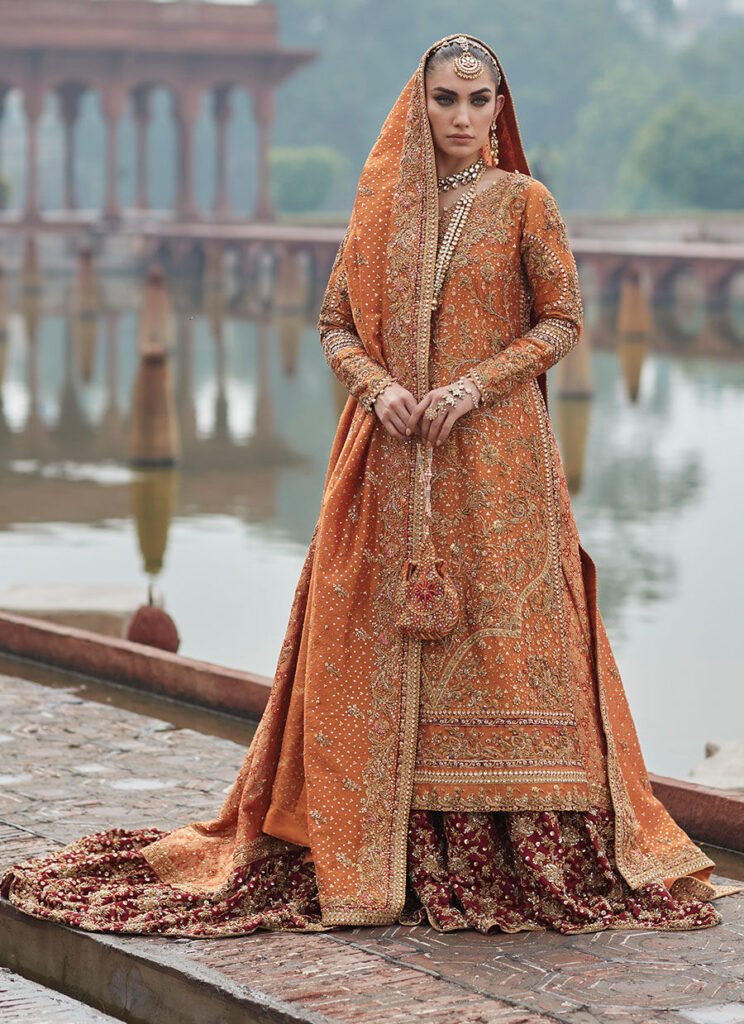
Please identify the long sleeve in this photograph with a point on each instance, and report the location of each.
(554, 285)
(360, 374)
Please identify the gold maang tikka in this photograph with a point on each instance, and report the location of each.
(467, 64)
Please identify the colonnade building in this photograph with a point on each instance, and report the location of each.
(123, 50)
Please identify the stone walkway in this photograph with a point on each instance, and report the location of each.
(69, 766)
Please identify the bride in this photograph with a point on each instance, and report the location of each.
(447, 736)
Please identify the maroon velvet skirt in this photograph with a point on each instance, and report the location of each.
(507, 871)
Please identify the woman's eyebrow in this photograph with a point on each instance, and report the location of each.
(452, 92)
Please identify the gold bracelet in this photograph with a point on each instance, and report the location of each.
(473, 394)
(459, 388)
(377, 391)
(478, 381)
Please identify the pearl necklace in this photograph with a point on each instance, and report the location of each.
(463, 177)
(460, 212)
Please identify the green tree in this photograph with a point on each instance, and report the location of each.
(711, 65)
(691, 153)
(302, 177)
(619, 101)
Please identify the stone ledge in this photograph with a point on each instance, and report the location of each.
(711, 815)
(135, 665)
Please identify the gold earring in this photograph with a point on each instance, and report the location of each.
(494, 143)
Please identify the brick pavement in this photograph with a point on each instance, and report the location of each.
(69, 766)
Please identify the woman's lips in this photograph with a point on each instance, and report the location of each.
(461, 138)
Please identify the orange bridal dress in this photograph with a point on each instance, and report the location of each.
(489, 779)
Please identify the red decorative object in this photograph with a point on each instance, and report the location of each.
(427, 602)
(153, 626)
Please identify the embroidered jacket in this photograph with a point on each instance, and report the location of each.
(550, 278)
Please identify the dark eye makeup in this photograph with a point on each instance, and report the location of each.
(443, 100)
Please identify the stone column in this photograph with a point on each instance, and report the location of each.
(264, 108)
(187, 107)
(141, 104)
(4, 90)
(113, 100)
(69, 105)
(222, 114)
(33, 103)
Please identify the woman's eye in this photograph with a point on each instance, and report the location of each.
(480, 101)
(443, 100)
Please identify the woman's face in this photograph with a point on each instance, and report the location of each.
(460, 112)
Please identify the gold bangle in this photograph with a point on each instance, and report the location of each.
(478, 381)
(376, 392)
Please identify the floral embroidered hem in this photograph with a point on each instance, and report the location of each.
(508, 871)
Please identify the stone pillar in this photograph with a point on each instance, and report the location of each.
(716, 277)
(187, 107)
(222, 114)
(4, 90)
(69, 105)
(110, 427)
(113, 107)
(661, 272)
(719, 330)
(33, 103)
(141, 103)
(264, 108)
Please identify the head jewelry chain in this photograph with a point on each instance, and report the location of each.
(466, 64)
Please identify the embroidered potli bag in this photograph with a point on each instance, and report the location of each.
(428, 605)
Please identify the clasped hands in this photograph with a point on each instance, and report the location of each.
(402, 416)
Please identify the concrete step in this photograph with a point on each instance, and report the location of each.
(25, 1002)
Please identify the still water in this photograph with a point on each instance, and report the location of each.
(657, 481)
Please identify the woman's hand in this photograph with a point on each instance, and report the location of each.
(393, 407)
(436, 431)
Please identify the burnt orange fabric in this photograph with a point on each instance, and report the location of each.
(522, 706)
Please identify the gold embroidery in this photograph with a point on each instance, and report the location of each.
(489, 776)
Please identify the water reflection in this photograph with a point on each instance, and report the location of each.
(178, 431)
